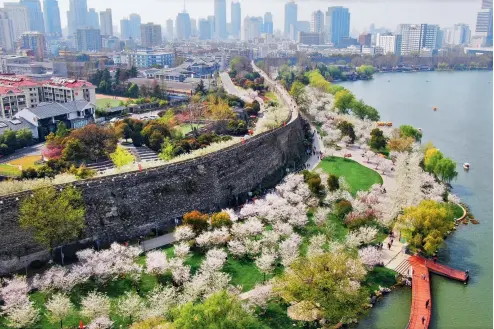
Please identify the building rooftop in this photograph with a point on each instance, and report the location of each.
(69, 83)
(14, 124)
(9, 90)
(48, 110)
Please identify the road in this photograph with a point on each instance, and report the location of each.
(231, 89)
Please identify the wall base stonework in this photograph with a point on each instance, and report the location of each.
(126, 206)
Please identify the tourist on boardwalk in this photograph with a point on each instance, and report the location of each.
(389, 246)
(423, 320)
(434, 259)
(427, 303)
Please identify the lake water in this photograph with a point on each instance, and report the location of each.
(462, 129)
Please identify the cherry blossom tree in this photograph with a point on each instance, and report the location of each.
(289, 249)
(269, 240)
(214, 261)
(216, 237)
(316, 245)
(233, 215)
(59, 307)
(23, 315)
(183, 233)
(266, 262)
(130, 305)
(370, 256)
(453, 198)
(156, 262)
(95, 305)
(14, 293)
(237, 248)
(321, 215)
(180, 271)
(368, 155)
(160, 301)
(385, 167)
(259, 296)
(182, 250)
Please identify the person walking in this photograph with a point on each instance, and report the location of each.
(427, 303)
(423, 320)
(389, 246)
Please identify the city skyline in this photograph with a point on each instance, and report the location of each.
(443, 13)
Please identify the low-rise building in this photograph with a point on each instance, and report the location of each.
(149, 58)
(46, 116)
(17, 124)
(310, 38)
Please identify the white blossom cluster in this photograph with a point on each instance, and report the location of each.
(17, 308)
(363, 235)
(370, 256)
(217, 237)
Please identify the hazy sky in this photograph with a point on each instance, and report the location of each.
(387, 13)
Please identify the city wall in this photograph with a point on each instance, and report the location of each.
(126, 206)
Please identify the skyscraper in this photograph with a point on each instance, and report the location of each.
(204, 29)
(220, 19)
(337, 24)
(183, 26)
(93, 18)
(252, 28)
(53, 27)
(317, 22)
(193, 27)
(428, 34)
(19, 16)
(36, 21)
(151, 35)
(135, 26)
(77, 15)
(212, 23)
(236, 18)
(483, 28)
(169, 29)
(125, 29)
(88, 39)
(106, 23)
(416, 37)
(6, 31)
(460, 35)
(291, 10)
(268, 23)
(486, 4)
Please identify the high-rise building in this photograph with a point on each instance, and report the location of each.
(236, 18)
(429, 34)
(34, 41)
(483, 28)
(77, 15)
(6, 32)
(220, 19)
(457, 35)
(204, 29)
(388, 42)
(193, 28)
(486, 4)
(183, 26)
(365, 39)
(337, 24)
(106, 23)
(88, 39)
(135, 26)
(169, 29)
(151, 35)
(125, 29)
(317, 22)
(36, 21)
(53, 27)
(212, 23)
(291, 18)
(93, 19)
(411, 39)
(252, 28)
(19, 16)
(268, 23)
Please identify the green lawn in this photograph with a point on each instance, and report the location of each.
(379, 276)
(359, 178)
(103, 102)
(187, 128)
(8, 170)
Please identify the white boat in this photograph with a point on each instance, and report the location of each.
(466, 166)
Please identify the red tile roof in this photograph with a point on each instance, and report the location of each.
(4, 90)
(18, 81)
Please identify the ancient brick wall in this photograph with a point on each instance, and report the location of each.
(128, 205)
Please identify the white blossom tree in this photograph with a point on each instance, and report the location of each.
(370, 256)
(22, 315)
(316, 245)
(180, 271)
(130, 306)
(182, 250)
(289, 249)
(160, 301)
(260, 295)
(59, 307)
(266, 263)
(95, 305)
(156, 262)
(453, 198)
(183, 233)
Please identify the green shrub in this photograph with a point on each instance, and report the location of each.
(342, 208)
(333, 183)
(220, 219)
(29, 173)
(197, 220)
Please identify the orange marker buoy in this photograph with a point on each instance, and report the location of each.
(435, 108)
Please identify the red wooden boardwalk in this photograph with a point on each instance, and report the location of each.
(421, 290)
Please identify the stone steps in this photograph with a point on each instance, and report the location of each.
(404, 268)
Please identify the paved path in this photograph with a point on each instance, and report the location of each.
(160, 241)
(232, 90)
(29, 150)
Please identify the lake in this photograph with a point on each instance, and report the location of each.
(462, 129)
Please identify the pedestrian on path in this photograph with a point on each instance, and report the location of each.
(389, 246)
(427, 303)
(423, 320)
(423, 276)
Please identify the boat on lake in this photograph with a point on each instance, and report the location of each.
(466, 166)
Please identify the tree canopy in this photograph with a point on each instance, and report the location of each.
(54, 217)
(343, 101)
(409, 131)
(328, 285)
(220, 310)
